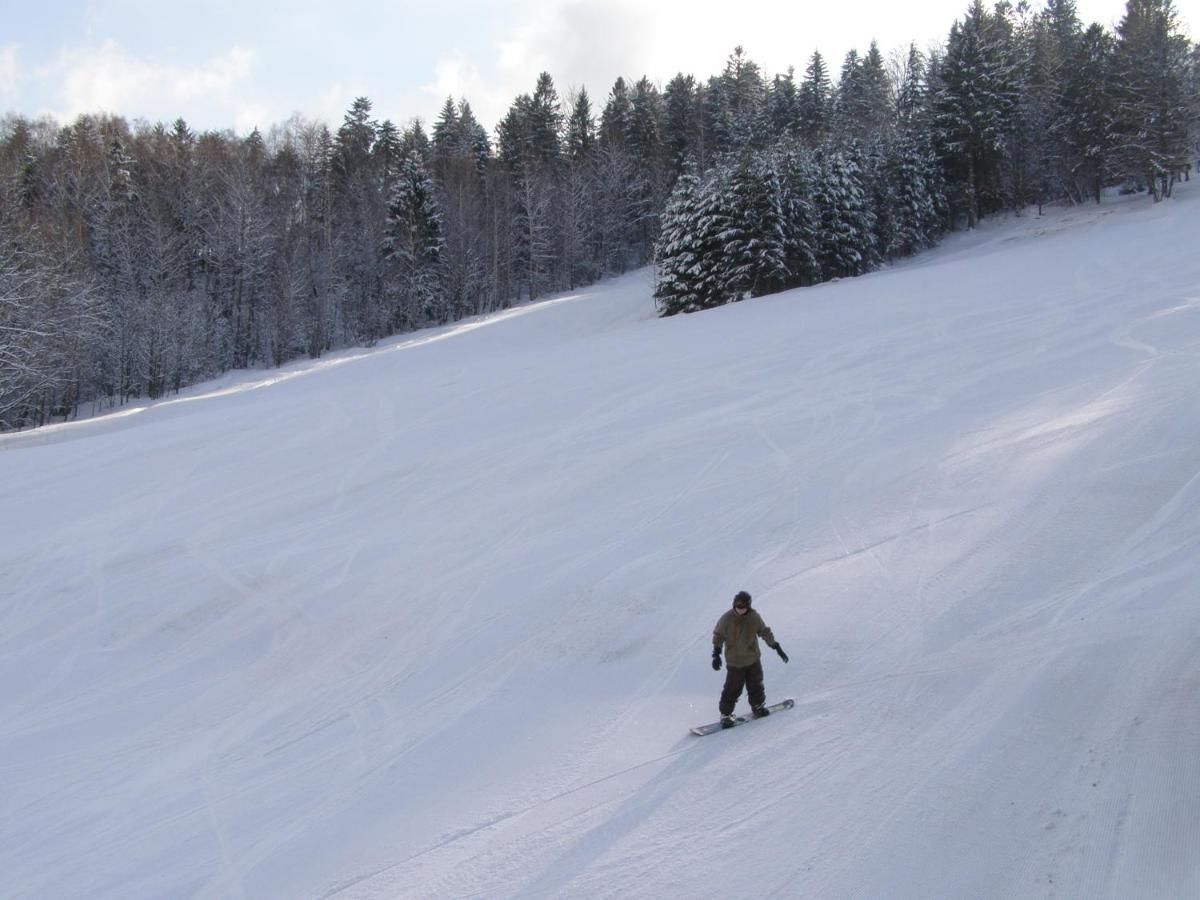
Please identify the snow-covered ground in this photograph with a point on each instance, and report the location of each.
(433, 620)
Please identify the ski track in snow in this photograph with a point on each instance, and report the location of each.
(432, 620)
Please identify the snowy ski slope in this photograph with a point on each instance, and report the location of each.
(433, 620)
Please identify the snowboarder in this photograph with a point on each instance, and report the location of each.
(739, 630)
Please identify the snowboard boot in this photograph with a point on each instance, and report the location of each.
(760, 711)
(727, 721)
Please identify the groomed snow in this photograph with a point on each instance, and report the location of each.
(433, 620)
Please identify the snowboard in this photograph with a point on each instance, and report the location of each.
(743, 719)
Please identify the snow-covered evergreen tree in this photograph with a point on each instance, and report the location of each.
(412, 248)
(579, 195)
(1151, 106)
(691, 269)
(754, 252)
(815, 101)
(644, 144)
(614, 120)
(1087, 113)
(678, 255)
(783, 107)
(580, 138)
(974, 110)
(847, 235)
(915, 197)
(681, 133)
(909, 88)
(798, 176)
(745, 96)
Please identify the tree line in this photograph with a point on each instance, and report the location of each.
(1017, 108)
(136, 260)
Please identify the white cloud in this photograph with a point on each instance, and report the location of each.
(249, 116)
(456, 76)
(332, 104)
(578, 43)
(8, 74)
(107, 78)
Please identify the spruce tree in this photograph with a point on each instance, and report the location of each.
(681, 134)
(580, 138)
(579, 195)
(754, 246)
(847, 236)
(910, 92)
(678, 255)
(815, 101)
(1087, 113)
(412, 247)
(745, 96)
(798, 177)
(614, 120)
(1151, 107)
(974, 110)
(915, 214)
(783, 107)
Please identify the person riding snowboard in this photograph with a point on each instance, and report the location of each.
(739, 630)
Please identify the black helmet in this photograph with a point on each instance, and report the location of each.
(742, 599)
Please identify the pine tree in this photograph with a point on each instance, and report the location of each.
(910, 94)
(580, 139)
(847, 239)
(447, 134)
(678, 255)
(848, 102)
(911, 171)
(1151, 109)
(412, 247)
(1087, 113)
(798, 177)
(461, 160)
(744, 103)
(753, 246)
(387, 150)
(116, 254)
(974, 109)
(644, 145)
(875, 93)
(681, 137)
(359, 211)
(622, 232)
(715, 120)
(712, 224)
(614, 121)
(783, 107)
(546, 120)
(616, 210)
(579, 195)
(531, 152)
(816, 104)
(474, 136)
(1032, 145)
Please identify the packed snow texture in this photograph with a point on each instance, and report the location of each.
(433, 620)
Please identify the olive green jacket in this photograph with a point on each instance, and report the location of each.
(739, 635)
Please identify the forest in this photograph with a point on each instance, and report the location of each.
(137, 259)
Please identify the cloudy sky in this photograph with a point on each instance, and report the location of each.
(240, 64)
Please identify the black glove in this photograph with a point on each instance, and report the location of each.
(779, 650)
(716, 659)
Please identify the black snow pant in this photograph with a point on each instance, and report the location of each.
(738, 677)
